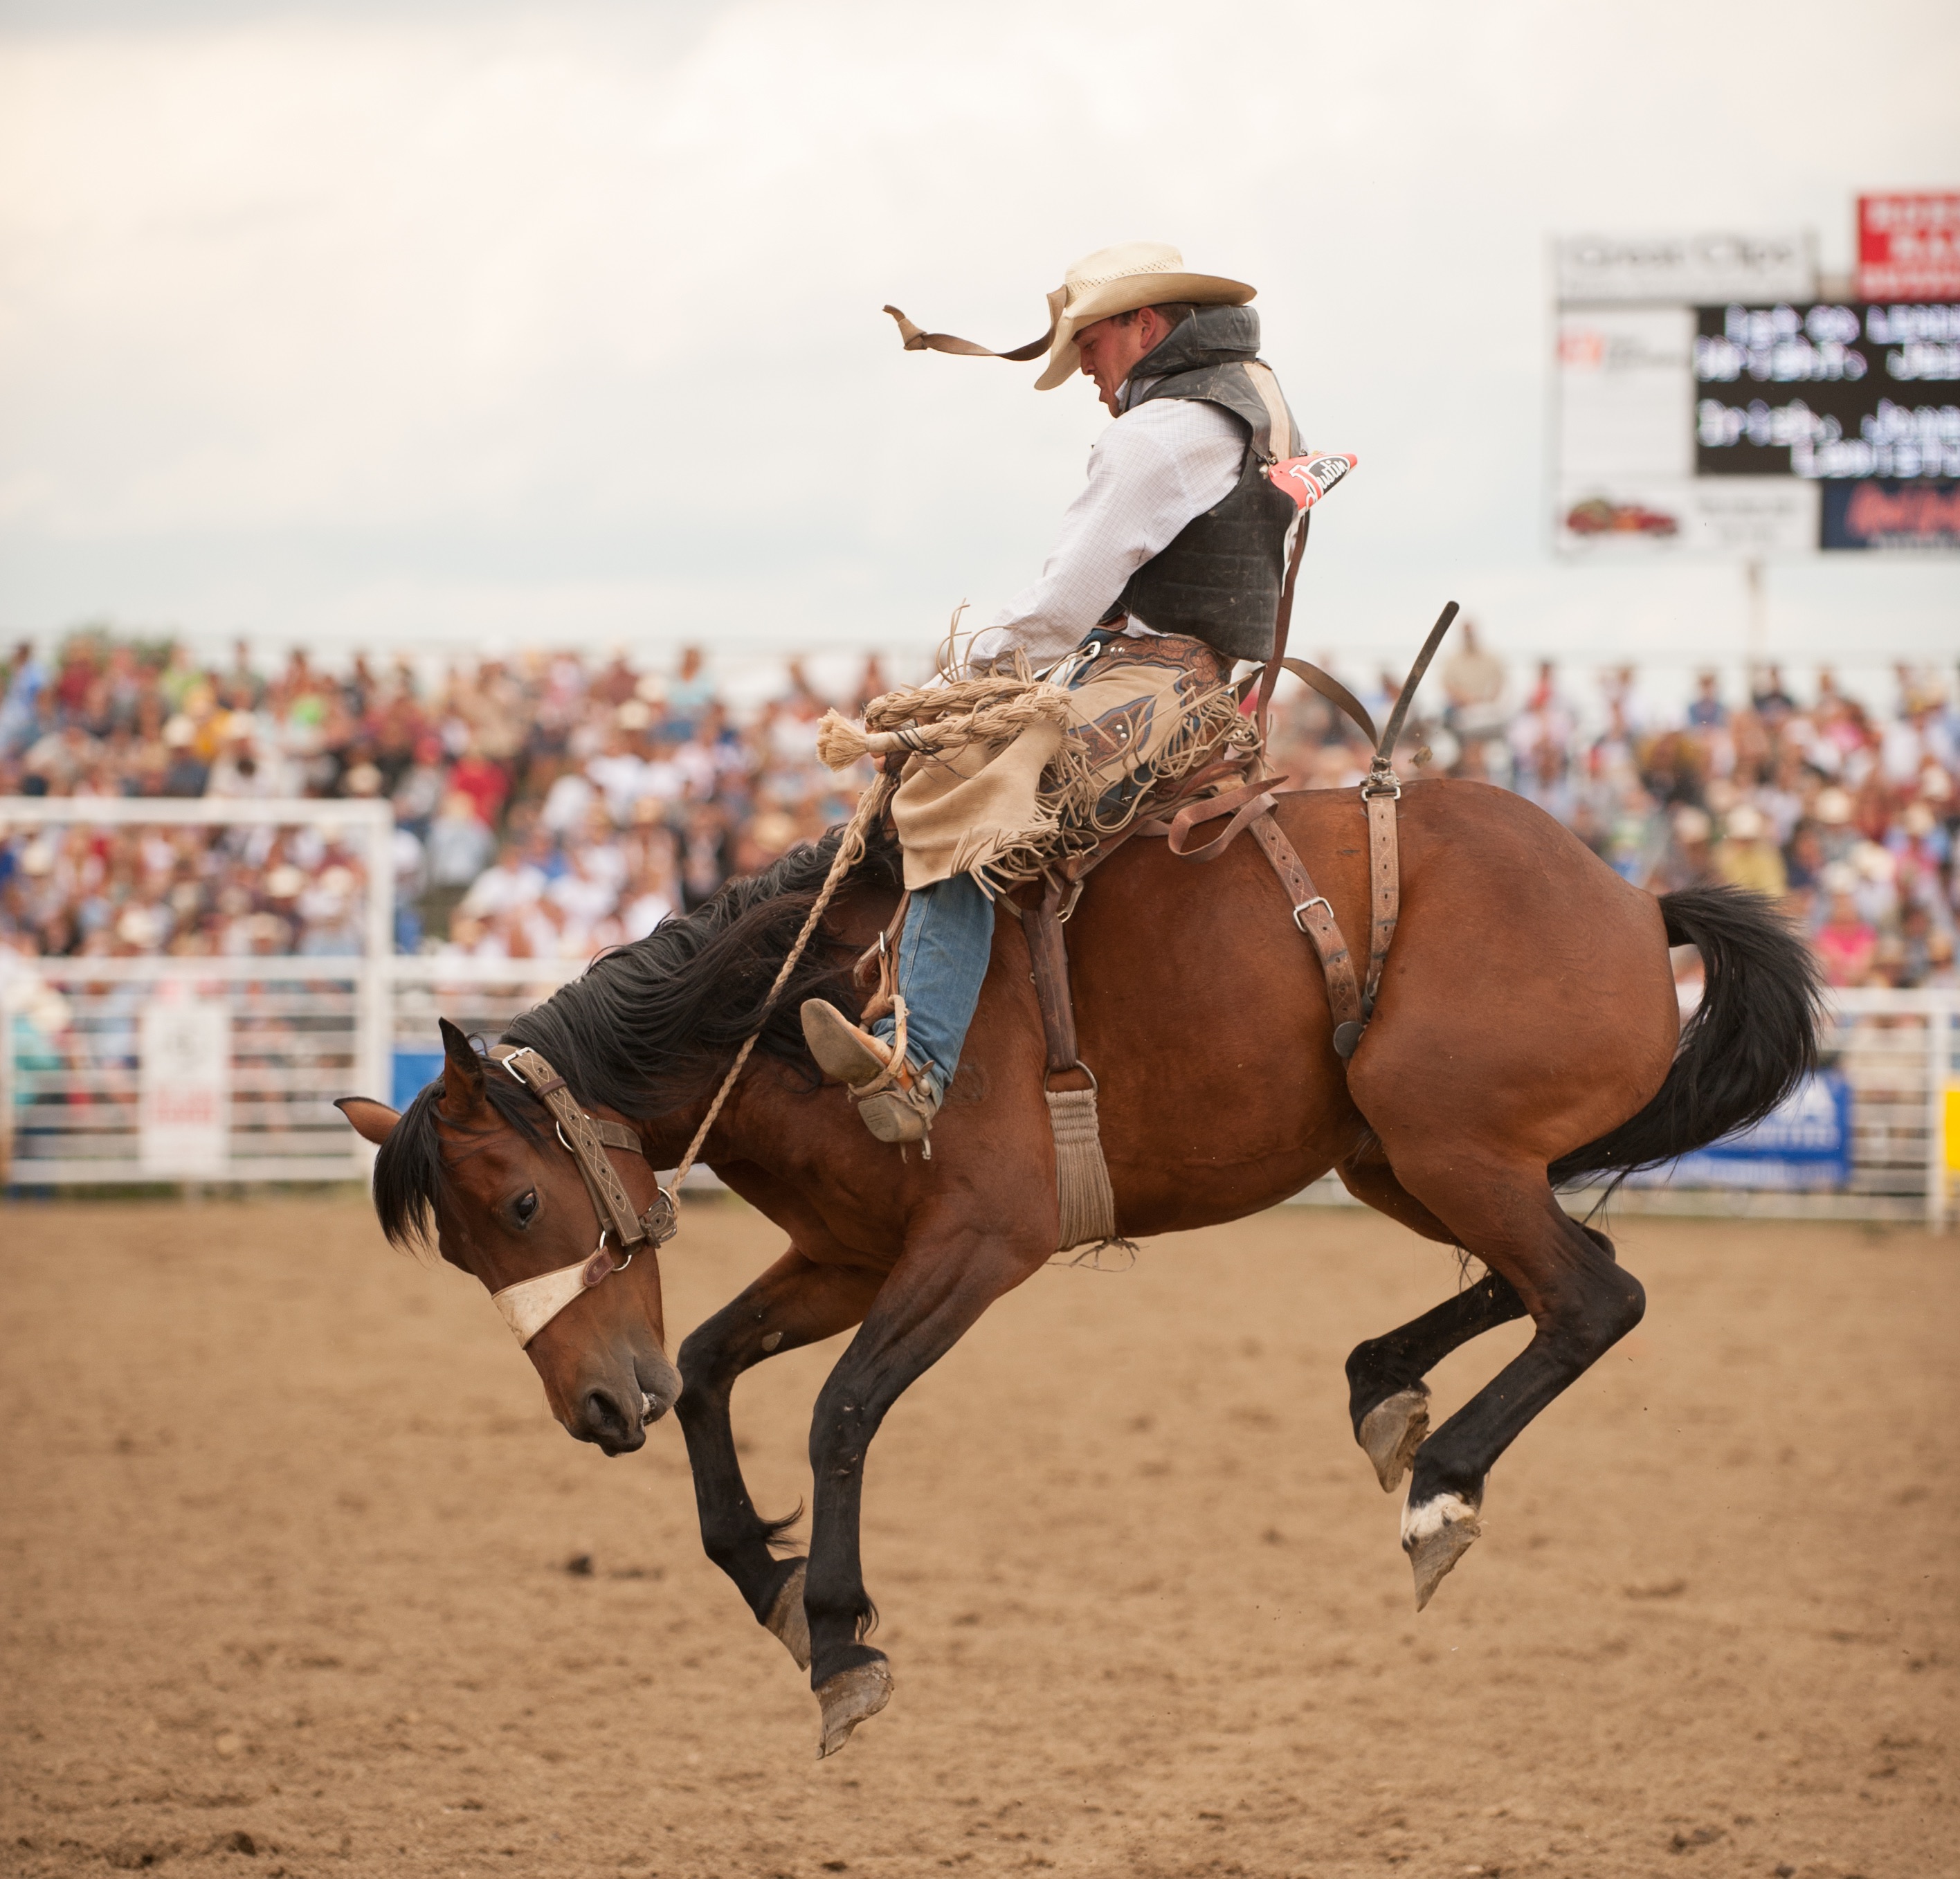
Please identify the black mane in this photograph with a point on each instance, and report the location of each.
(650, 1026)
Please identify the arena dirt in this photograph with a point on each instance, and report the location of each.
(300, 1580)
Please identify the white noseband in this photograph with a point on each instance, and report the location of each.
(531, 1304)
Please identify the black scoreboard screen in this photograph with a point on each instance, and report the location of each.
(1837, 392)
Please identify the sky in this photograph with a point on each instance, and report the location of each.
(480, 326)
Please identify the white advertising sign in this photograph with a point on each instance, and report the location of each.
(1626, 481)
(184, 1086)
(1704, 269)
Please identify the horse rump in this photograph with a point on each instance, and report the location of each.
(1751, 1041)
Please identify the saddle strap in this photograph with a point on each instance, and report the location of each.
(1085, 1200)
(1313, 914)
(877, 967)
(1048, 958)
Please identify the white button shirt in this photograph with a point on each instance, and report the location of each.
(1157, 467)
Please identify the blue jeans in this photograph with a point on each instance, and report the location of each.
(943, 956)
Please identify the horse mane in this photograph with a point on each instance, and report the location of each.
(651, 1025)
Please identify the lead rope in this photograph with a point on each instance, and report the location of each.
(850, 852)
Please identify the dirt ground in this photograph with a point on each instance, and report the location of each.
(286, 1530)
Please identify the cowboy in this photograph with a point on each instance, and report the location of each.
(1167, 570)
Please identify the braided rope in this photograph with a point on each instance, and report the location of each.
(850, 852)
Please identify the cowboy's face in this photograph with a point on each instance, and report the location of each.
(1111, 347)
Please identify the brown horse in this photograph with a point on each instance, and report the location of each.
(1526, 1035)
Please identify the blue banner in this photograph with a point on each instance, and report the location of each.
(413, 1070)
(1804, 1145)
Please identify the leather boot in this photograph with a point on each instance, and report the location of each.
(896, 1104)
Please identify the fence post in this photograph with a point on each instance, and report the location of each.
(376, 993)
(1942, 1009)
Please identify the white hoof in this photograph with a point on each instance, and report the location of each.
(1392, 1431)
(788, 1620)
(850, 1698)
(1435, 1536)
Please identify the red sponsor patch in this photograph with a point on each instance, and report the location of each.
(1307, 479)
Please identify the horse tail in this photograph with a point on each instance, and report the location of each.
(1752, 1041)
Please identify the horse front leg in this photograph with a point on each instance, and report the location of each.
(935, 1294)
(797, 1302)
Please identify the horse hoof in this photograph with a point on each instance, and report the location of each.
(1435, 1536)
(787, 1618)
(848, 1698)
(1392, 1431)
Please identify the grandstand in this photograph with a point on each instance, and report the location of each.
(302, 867)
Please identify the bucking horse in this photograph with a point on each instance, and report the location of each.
(1525, 1037)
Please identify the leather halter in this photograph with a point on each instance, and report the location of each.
(531, 1304)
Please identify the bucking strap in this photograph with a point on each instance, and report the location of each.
(1313, 914)
(587, 1137)
(1330, 688)
(1385, 893)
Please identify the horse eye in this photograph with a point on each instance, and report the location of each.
(526, 1208)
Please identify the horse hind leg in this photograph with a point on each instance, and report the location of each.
(1581, 1303)
(1388, 1400)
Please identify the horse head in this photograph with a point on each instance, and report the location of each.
(479, 1160)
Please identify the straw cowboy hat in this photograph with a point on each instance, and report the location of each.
(1117, 280)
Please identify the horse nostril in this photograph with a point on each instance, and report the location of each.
(605, 1419)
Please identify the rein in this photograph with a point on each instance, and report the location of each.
(529, 1305)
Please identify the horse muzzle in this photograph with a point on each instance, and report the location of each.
(615, 1415)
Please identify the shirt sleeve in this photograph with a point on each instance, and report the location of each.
(1151, 472)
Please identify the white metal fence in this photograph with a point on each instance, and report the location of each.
(142, 1069)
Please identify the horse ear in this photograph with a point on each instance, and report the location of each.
(374, 1121)
(462, 1072)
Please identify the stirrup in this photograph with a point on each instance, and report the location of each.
(896, 1103)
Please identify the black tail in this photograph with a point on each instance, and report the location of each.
(1751, 1042)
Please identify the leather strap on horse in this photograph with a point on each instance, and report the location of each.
(1086, 1202)
(588, 1137)
(1313, 914)
(1048, 959)
(1330, 688)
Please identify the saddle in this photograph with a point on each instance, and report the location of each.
(1088, 1212)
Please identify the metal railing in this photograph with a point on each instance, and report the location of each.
(263, 1044)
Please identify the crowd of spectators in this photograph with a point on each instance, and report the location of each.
(1844, 814)
(547, 807)
(552, 806)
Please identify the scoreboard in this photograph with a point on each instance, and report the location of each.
(1832, 391)
(1747, 428)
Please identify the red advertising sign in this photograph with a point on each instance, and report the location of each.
(1909, 245)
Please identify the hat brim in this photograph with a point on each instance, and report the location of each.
(1125, 295)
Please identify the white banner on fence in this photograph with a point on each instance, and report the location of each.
(184, 1084)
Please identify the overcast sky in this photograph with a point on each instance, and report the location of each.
(488, 324)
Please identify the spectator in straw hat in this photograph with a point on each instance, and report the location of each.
(1746, 857)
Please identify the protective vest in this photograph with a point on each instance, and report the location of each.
(1218, 579)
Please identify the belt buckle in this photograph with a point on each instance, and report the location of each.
(1319, 900)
